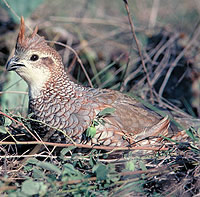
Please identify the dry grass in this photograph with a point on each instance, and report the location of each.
(167, 76)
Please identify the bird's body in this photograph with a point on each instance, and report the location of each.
(71, 108)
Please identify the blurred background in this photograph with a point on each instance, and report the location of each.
(168, 32)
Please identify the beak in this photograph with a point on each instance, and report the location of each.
(13, 64)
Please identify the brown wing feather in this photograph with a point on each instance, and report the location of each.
(130, 115)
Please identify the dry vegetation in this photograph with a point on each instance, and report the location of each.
(166, 75)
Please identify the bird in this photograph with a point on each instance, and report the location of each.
(65, 110)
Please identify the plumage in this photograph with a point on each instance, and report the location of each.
(60, 103)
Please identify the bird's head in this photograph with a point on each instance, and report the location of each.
(34, 60)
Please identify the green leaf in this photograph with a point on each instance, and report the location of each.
(30, 115)
(3, 130)
(114, 177)
(95, 123)
(49, 166)
(191, 135)
(7, 122)
(91, 132)
(32, 161)
(64, 151)
(70, 173)
(92, 161)
(28, 168)
(106, 111)
(130, 165)
(17, 194)
(43, 189)
(69, 168)
(30, 187)
(37, 173)
(101, 171)
(169, 139)
(142, 165)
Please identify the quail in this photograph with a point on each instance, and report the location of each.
(68, 109)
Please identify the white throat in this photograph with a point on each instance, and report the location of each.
(36, 80)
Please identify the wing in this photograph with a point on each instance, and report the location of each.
(131, 120)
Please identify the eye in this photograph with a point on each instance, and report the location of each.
(34, 57)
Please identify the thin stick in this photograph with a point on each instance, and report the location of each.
(5, 188)
(71, 65)
(13, 92)
(154, 13)
(87, 146)
(19, 124)
(14, 13)
(138, 47)
(9, 7)
(121, 174)
(173, 65)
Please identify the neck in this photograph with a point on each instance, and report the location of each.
(59, 86)
(56, 84)
(57, 99)
(59, 89)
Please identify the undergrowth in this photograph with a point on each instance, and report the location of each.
(75, 171)
(168, 168)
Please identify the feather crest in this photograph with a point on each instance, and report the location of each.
(33, 41)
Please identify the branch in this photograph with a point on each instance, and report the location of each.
(138, 47)
(86, 146)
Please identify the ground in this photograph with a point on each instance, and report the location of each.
(100, 32)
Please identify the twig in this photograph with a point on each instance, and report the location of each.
(13, 92)
(14, 13)
(154, 13)
(87, 146)
(101, 38)
(171, 68)
(45, 124)
(71, 65)
(37, 148)
(19, 124)
(138, 172)
(139, 49)
(5, 188)
(9, 7)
